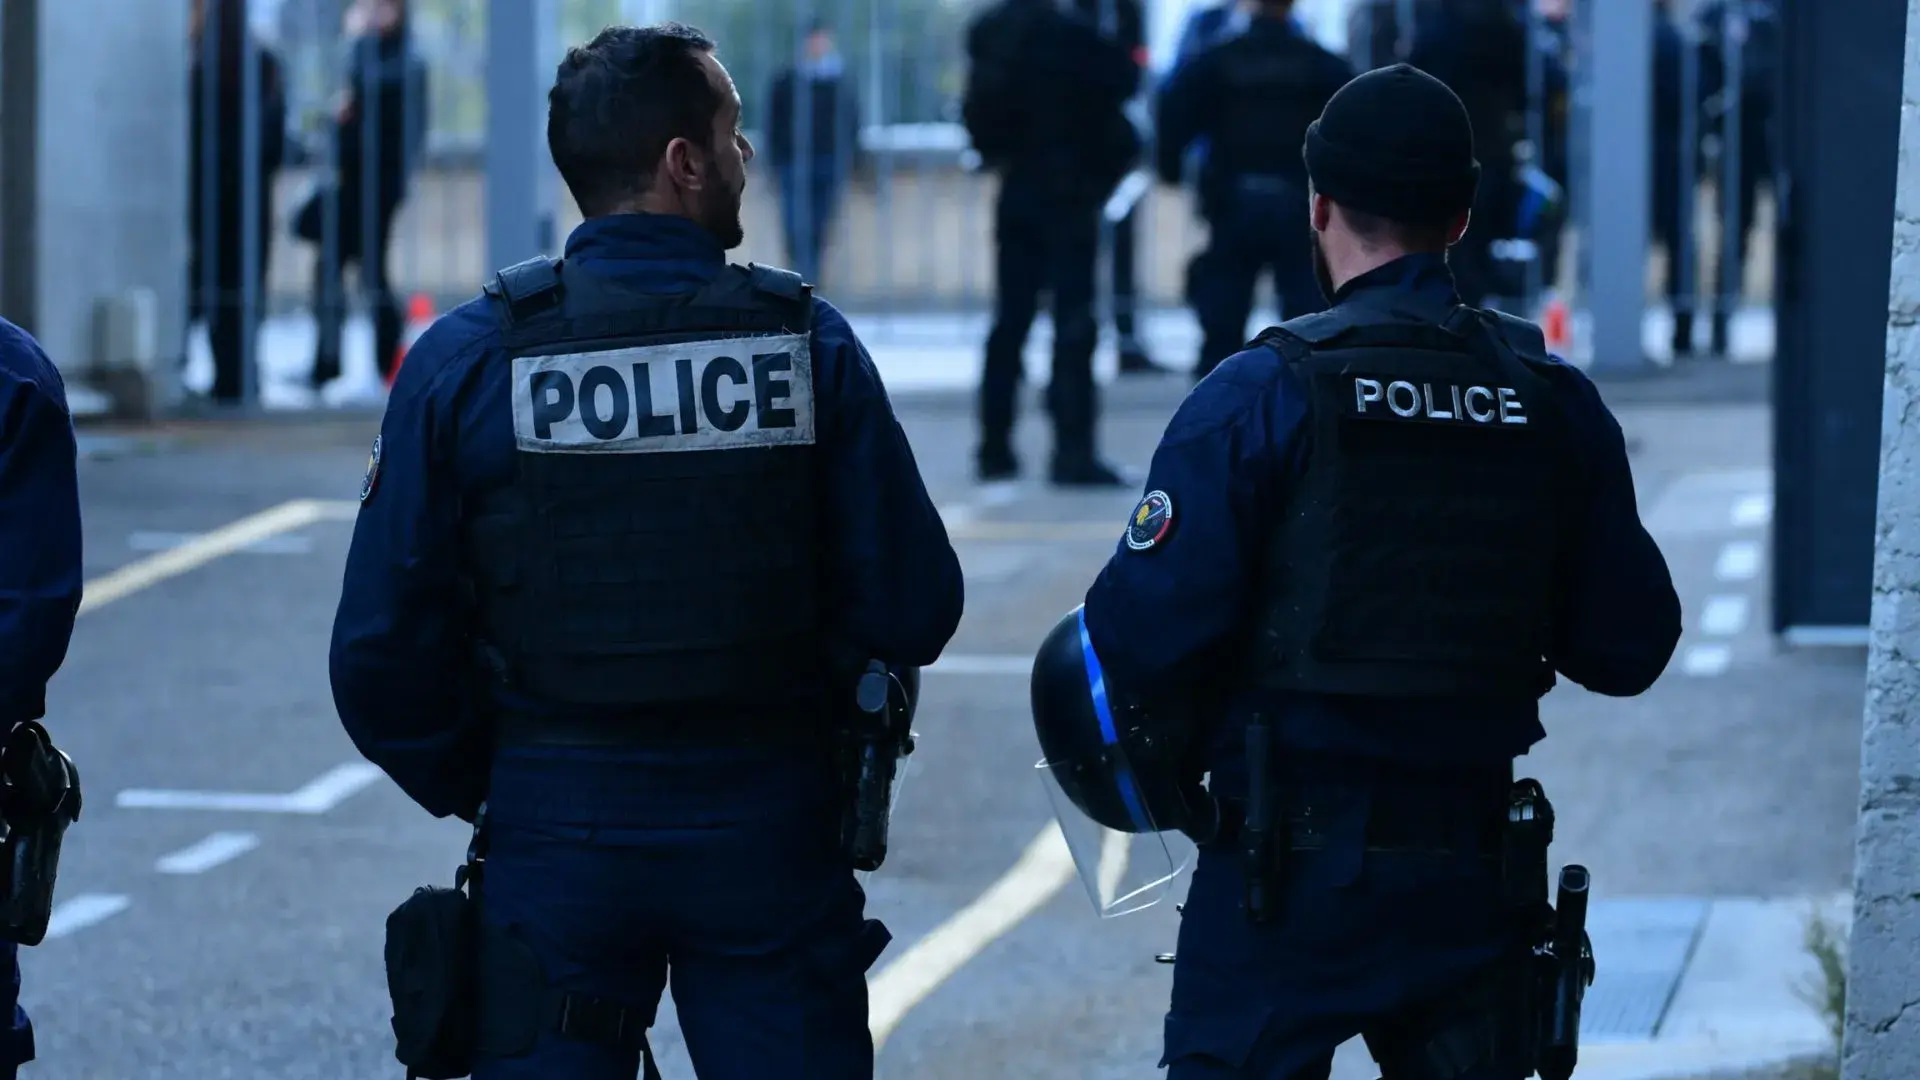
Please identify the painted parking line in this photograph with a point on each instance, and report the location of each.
(1703, 660)
(84, 910)
(207, 853)
(1724, 616)
(978, 664)
(1044, 868)
(207, 547)
(1754, 510)
(1738, 561)
(318, 796)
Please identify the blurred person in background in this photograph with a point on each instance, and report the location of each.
(813, 138)
(1739, 65)
(40, 578)
(1479, 48)
(1131, 27)
(1251, 97)
(219, 172)
(1045, 108)
(379, 127)
(1668, 200)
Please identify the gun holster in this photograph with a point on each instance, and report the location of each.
(39, 799)
(432, 956)
(880, 737)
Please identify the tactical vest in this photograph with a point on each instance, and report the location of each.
(1415, 556)
(1272, 93)
(657, 544)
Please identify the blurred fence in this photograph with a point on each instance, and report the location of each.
(913, 228)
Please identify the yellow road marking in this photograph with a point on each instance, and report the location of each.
(205, 548)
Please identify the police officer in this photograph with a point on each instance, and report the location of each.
(1375, 534)
(622, 515)
(39, 571)
(1479, 48)
(1130, 25)
(1251, 97)
(1045, 109)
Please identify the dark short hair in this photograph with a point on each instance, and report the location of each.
(1407, 235)
(616, 103)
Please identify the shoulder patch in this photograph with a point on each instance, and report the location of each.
(1152, 521)
(741, 393)
(372, 478)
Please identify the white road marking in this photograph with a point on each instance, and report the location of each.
(321, 795)
(1738, 561)
(272, 545)
(239, 536)
(1724, 616)
(998, 493)
(1706, 659)
(1114, 849)
(1752, 510)
(208, 853)
(977, 664)
(83, 911)
(1044, 868)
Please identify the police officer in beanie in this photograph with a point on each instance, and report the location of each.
(625, 514)
(1368, 543)
(1250, 98)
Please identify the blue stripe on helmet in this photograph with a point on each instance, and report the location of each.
(1109, 736)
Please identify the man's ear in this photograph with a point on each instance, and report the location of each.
(1320, 212)
(1459, 228)
(682, 164)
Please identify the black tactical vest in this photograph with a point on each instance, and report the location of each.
(1274, 89)
(657, 545)
(1415, 556)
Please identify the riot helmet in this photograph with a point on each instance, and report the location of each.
(1117, 771)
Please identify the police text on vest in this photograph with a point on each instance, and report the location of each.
(1444, 402)
(727, 394)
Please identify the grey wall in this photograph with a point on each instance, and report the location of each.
(109, 176)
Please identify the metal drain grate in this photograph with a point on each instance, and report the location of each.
(1641, 948)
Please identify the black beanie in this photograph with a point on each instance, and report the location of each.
(1395, 142)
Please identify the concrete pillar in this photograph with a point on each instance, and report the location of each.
(516, 133)
(95, 140)
(1619, 167)
(1882, 1040)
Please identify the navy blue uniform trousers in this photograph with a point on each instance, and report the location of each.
(1375, 943)
(720, 867)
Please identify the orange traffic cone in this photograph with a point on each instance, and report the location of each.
(1556, 323)
(419, 317)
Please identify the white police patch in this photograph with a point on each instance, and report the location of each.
(1152, 521)
(724, 394)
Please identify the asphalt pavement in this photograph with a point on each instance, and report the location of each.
(223, 899)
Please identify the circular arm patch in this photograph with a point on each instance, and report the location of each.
(373, 471)
(1152, 521)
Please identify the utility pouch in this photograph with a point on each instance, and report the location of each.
(432, 972)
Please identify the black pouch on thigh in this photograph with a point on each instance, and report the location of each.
(431, 979)
(517, 1006)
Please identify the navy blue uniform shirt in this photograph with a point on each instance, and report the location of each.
(404, 676)
(39, 526)
(1162, 619)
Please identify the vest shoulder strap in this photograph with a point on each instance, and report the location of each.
(1526, 340)
(526, 288)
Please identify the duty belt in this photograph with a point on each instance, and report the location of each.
(1397, 825)
(692, 726)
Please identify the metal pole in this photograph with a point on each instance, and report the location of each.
(1536, 134)
(1684, 259)
(513, 130)
(250, 205)
(1622, 108)
(1881, 1041)
(1733, 33)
